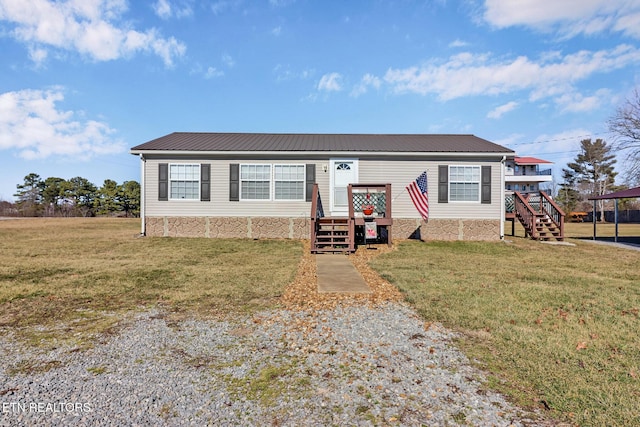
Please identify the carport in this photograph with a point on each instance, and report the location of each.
(623, 194)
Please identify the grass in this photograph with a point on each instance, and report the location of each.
(555, 326)
(64, 279)
(270, 383)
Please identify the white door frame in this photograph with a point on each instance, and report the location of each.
(332, 168)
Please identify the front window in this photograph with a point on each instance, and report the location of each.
(289, 182)
(255, 182)
(464, 183)
(184, 182)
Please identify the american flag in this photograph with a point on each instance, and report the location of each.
(419, 195)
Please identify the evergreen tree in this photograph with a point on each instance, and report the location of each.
(593, 166)
(568, 197)
(108, 201)
(53, 195)
(83, 194)
(29, 195)
(129, 198)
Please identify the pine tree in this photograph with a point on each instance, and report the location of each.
(593, 166)
(29, 195)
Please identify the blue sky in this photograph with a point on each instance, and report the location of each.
(82, 81)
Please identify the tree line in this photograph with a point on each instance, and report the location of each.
(74, 197)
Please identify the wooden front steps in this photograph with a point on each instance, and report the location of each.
(547, 230)
(540, 216)
(334, 234)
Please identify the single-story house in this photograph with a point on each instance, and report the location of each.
(259, 185)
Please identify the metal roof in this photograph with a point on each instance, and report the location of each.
(283, 142)
(529, 161)
(622, 194)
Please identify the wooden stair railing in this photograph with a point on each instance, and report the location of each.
(544, 223)
(329, 234)
(555, 214)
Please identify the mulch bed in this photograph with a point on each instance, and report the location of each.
(302, 293)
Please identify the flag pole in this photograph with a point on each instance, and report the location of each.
(405, 189)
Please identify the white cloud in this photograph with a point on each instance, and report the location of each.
(498, 112)
(284, 73)
(228, 60)
(91, 28)
(162, 9)
(368, 80)
(277, 30)
(222, 6)
(31, 124)
(213, 72)
(469, 74)
(567, 17)
(165, 9)
(330, 83)
(574, 102)
(38, 56)
(458, 43)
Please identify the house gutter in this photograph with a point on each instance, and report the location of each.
(142, 195)
(502, 201)
(319, 153)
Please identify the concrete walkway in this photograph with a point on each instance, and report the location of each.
(337, 274)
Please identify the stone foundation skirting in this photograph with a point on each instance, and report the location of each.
(447, 229)
(298, 228)
(228, 227)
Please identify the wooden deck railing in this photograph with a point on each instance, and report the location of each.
(540, 216)
(317, 212)
(550, 208)
(379, 197)
(526, 214)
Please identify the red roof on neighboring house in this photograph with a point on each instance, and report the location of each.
(529, 161)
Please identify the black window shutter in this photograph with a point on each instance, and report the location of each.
(310, 180)
(205, 182)
(163, 182)
(443, 184)
(486, 184)
(234, 182)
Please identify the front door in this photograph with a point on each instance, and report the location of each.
(343, 173)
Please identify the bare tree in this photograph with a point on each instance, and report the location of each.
(625, 124)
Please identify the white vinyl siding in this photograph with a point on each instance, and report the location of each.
(184, 182)
(255, 182)
(399, 172)
(289, 182)
(464, 183)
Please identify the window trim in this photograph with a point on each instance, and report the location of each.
(478, 182)
(272, 182)
(240, 181)
(169, 181)
(301, 181)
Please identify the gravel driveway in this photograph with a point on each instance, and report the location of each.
(349, 365)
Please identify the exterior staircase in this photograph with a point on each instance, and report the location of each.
(330, 234)
(541, 218)
(369, 207)
(546, 230)
(334, 234)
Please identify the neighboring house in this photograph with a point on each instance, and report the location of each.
(261, 185)
(524, 174)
